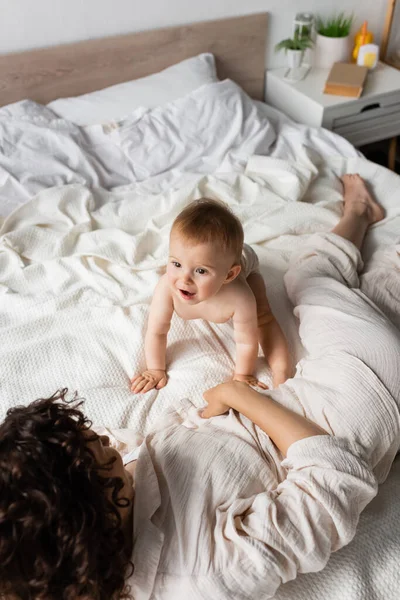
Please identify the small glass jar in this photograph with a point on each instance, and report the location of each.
(303, 26)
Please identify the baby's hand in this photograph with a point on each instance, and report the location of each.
(148, 380)
(250, 380)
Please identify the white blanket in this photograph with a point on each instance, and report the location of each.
(78, 269)
(215, 128)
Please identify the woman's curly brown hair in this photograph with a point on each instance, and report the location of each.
(60, 534)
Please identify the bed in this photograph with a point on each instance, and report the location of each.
(88, 192)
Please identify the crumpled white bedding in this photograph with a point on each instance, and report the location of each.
(77, 267)
(214, 129)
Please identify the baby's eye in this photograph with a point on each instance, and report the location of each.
(176, 264)
(201, 271)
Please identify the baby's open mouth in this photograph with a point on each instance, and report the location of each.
(186, 294)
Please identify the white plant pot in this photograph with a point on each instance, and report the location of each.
(294, 58)
(329, 50)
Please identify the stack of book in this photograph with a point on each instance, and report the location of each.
(346, 79)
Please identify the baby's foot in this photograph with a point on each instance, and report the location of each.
(357, 199)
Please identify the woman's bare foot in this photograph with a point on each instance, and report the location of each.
(357, 199)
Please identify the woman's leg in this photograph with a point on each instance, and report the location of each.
(380, 281)
(349, 383)
(360, 211)
(322, 281)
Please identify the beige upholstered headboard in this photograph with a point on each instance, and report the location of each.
(69, 70)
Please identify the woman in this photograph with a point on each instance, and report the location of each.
(228, 507)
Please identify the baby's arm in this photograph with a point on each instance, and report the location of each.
(246, 338)
(155, 344)
(271, 336)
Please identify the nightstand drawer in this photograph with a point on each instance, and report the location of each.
(364, 111)
(369, 125)
(369, 113)
(371, 132)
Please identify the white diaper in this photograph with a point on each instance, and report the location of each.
(249, 261)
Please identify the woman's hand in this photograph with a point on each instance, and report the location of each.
(218, 398)
(250, 380)
(148, 380)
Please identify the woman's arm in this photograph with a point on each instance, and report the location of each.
(313, 512)
(282, 425)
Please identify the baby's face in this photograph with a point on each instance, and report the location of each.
(196, 272)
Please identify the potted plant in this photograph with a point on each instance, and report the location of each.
(333, 40)
(294, 49)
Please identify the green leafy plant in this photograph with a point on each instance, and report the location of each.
(295, 43)
(335, 27)
(302, 31)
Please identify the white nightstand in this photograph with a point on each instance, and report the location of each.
(373, 117)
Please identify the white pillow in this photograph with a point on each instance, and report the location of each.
(117, 101)
(214, 127)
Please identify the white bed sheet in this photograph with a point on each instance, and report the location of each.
(77, 267)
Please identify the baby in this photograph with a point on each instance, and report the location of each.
(212, 275)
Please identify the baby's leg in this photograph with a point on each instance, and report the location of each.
(270, 335)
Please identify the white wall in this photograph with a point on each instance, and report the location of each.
(26, 24)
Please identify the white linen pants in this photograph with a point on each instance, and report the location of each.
(349, 382)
